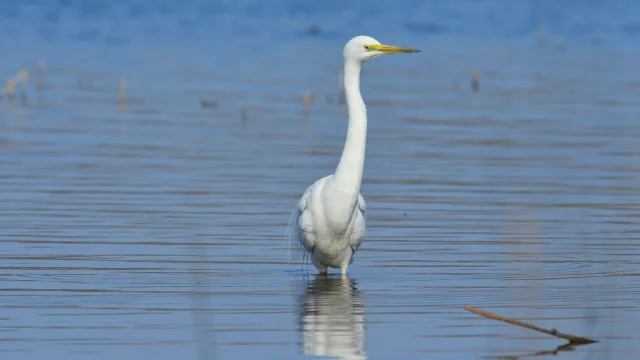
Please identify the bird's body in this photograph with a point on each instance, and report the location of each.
(331, 240)
(331, 215)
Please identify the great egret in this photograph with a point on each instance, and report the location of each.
(330, 217)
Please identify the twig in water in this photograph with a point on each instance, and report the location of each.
(9, 89)
(22, 77)
(42, 67)
(122, 93)
(243, 114)
(307, 105)
(573, 340)
(475, 81)
(307, 99)
(542, 35)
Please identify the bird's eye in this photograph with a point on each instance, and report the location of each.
(366, 47)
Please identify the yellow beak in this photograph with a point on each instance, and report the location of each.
(390, 49)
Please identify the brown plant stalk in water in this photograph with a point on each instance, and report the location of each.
(573, 340)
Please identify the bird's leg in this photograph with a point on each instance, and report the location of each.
(344, 270)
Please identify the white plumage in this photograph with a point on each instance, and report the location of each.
(330, 219)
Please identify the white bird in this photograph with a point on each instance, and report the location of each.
(330, 217)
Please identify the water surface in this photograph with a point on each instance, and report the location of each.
(156, 228)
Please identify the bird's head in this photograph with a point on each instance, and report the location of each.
(363, 48)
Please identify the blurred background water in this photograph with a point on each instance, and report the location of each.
(153, 226)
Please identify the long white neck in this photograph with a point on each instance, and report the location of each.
(348, 175)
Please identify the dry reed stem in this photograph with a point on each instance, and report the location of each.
(307, 99)
(542, 34)
(122, 93)
(573, 340)
(10, 86)
(243, 114)
(475, 81)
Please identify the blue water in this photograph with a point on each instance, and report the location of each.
(153, 228)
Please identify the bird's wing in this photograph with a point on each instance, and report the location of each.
(304, 219)
(357, 236)
(362, 205)
(304, 225)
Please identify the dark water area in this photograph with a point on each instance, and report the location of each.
(154, 227)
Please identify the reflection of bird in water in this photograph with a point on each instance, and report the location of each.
(332, 319)
(330, 216)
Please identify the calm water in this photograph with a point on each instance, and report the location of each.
(156, 229)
